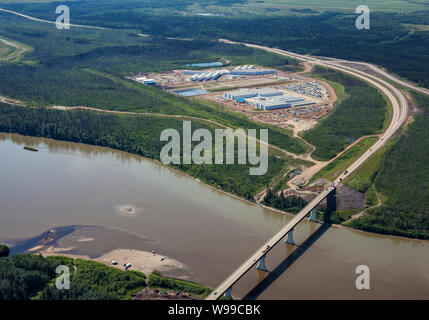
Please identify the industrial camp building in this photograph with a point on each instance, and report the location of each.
(240, 94)
(247, 70)
(146, 81)
(251, 93)
(266, 99)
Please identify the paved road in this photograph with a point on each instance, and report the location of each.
(383, 73)
(400, 111)
(47, 21)
(261, 252)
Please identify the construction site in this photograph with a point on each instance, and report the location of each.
(289, 100)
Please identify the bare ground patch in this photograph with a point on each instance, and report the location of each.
(349, 199)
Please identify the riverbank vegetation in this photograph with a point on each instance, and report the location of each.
(33, 277)
(291, 204)
(87, 67)
(91, 73)
(157, 281)
(139, 135)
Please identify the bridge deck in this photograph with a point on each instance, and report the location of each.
(400, 111)
(249, 263)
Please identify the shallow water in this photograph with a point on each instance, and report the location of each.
(209, 231)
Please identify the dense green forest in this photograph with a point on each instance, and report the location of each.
(139, 135)
(4, 251)
(32, 277)
(291, 204)
(361, 113)
(25, 277)
(88, 68)
(403, 180)
(21, 277)
(391, 42)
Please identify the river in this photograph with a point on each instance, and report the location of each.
(211, 232)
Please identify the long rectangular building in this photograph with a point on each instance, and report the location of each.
(278, 102)
(252, 72)
(240, 94)
(252, 93)
(268, 92)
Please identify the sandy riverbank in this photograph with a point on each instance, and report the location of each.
(103, 245)
(142, 261)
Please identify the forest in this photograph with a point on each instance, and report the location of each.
(291, 204)
(32, 277)
(391, 42)
(402, 179)
(360, 113)
(65, 70)
(138, 135)
(87, 67)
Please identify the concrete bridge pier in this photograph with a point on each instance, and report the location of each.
(313, 216)
(289, 237)
(261, 265)
(228, 292)
(331, 201)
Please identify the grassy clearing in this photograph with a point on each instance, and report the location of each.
(333, 170)
(416, 27)
(338, 87)
(12, 51)
(347, 5)
(6, 51)
(338, 217)
(364, 176)
(371, 197)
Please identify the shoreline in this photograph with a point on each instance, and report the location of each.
(104, 245)
(237, 197)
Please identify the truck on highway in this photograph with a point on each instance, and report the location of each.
(266, 249)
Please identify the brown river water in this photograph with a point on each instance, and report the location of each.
(211, 232)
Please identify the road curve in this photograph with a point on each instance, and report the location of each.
(400, 111)
(385, 74)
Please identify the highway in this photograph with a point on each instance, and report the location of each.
(400, 111)
(50, 22)
(399, 115)
(385, 75)
(261, 252)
